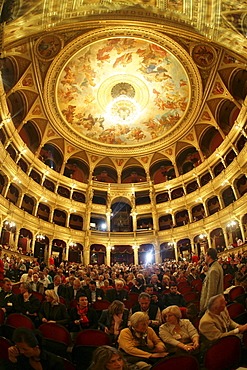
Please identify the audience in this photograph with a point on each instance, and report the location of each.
(7, 297)
(26, 303)
(174, 298)
(52, 311)
(118, 293)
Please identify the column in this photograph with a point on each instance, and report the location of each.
(32, 244)
(220, 201)
(135, 248)
(225, 237)
(108, 255)
(49, 252)
(108, 220)
(134, 219)
(15, 237)
(175, 169)
(175, 250)
(86, 251)
(67, 252)
(157, 252)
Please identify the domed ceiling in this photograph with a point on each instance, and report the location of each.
(124, 91)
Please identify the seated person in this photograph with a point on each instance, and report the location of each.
(118, 293)
(138, 286)
(82, 317)
(106, 286)
(52, 311)
(153, 311)
(139, 342)
(93, 293)
(179, 334)
(241, 276)
(114, 319)
(7, 297)
(36, 285)
(72, 292)
(155, 298)
(154, 281)
(26, 303)
(174, 298)
(216, 322)
(27, 353)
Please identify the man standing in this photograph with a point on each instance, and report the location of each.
(213, 282)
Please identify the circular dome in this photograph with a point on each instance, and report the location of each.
(123, 92)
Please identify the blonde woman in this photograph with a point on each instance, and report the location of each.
(139, 342)
(179, 334)
(52, 311)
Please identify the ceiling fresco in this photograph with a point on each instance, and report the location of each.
(123, 91)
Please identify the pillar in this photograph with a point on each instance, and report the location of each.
(135, 255)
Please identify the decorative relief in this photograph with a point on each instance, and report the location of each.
(47, 47)
(204, 55)
(28, 80)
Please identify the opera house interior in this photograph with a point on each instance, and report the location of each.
(122, 128)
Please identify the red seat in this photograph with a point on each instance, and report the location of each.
(133, 297)
(177, 363)
(225, 353)
(4, 345)
(194, 282)
(228, 278)
(55, 332)
(182, 284)
(16, 320)
(92, 337)
(40, 296)
(186, 289)
(2, 318)
(101, 305)
(236, 292)
(16, 288)
(235, 309)
(198, 287)
(191, 296)
(128, 304)
(73, 303)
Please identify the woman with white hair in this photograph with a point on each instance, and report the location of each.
(52, 311)
(139, 342)
(179, 334)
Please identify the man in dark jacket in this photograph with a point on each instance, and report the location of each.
(94, 294)
(174, 297)
(7, 297)
(118, 293)
(153, 311)
(72, 292)
(26, 303)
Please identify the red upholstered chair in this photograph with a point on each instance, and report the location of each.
(128, 304)
(57, 338)
(236, 292)
(237, 313)
(4, 345)
(194, 282)
(177, 363)
(73, 303)
(182, 284)
(85, 344)
(186, 289)
(228, 278)
(101, 305)
(133, 297)
(16, 320)
(225, 353)
(198, 287)
(191, 296)
(92, 337)
(40, 296)
(67, 364)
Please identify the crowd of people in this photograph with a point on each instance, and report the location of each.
(160, 323)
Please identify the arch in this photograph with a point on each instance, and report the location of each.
(122, 254)
(49, 185)
(210, 141)
(187, 159)
(59, 217)
(78, 196)
(51, 155)
(24, 240)
(145, 222)
(99, 197)
(177, 193)
(9, 73)
(241, 142)
(162, 171)
(31, 136)
(35, 176)
(230, 157)
(167, 251)
(12, 152)
(28, 204)
(198, 212)
(13, 194)
(121, 219)
(182, 218)
(146, 254)
(97, 254)
(218, 169)
(226, 115)
(205, 178)
(165, 222)
(43, 212)
(192, 186)
(97, 222)
(58, 246)
(105, 174)
(133, 174)
(213, 205)
(23, 165)
(18, 107)
(64, 192)
(75, 222)
(184, 246)
(217, 238)
(75, 252)
(76, 169)
(238, 84)
(162, 197)
(228, 196)
(241, 185)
